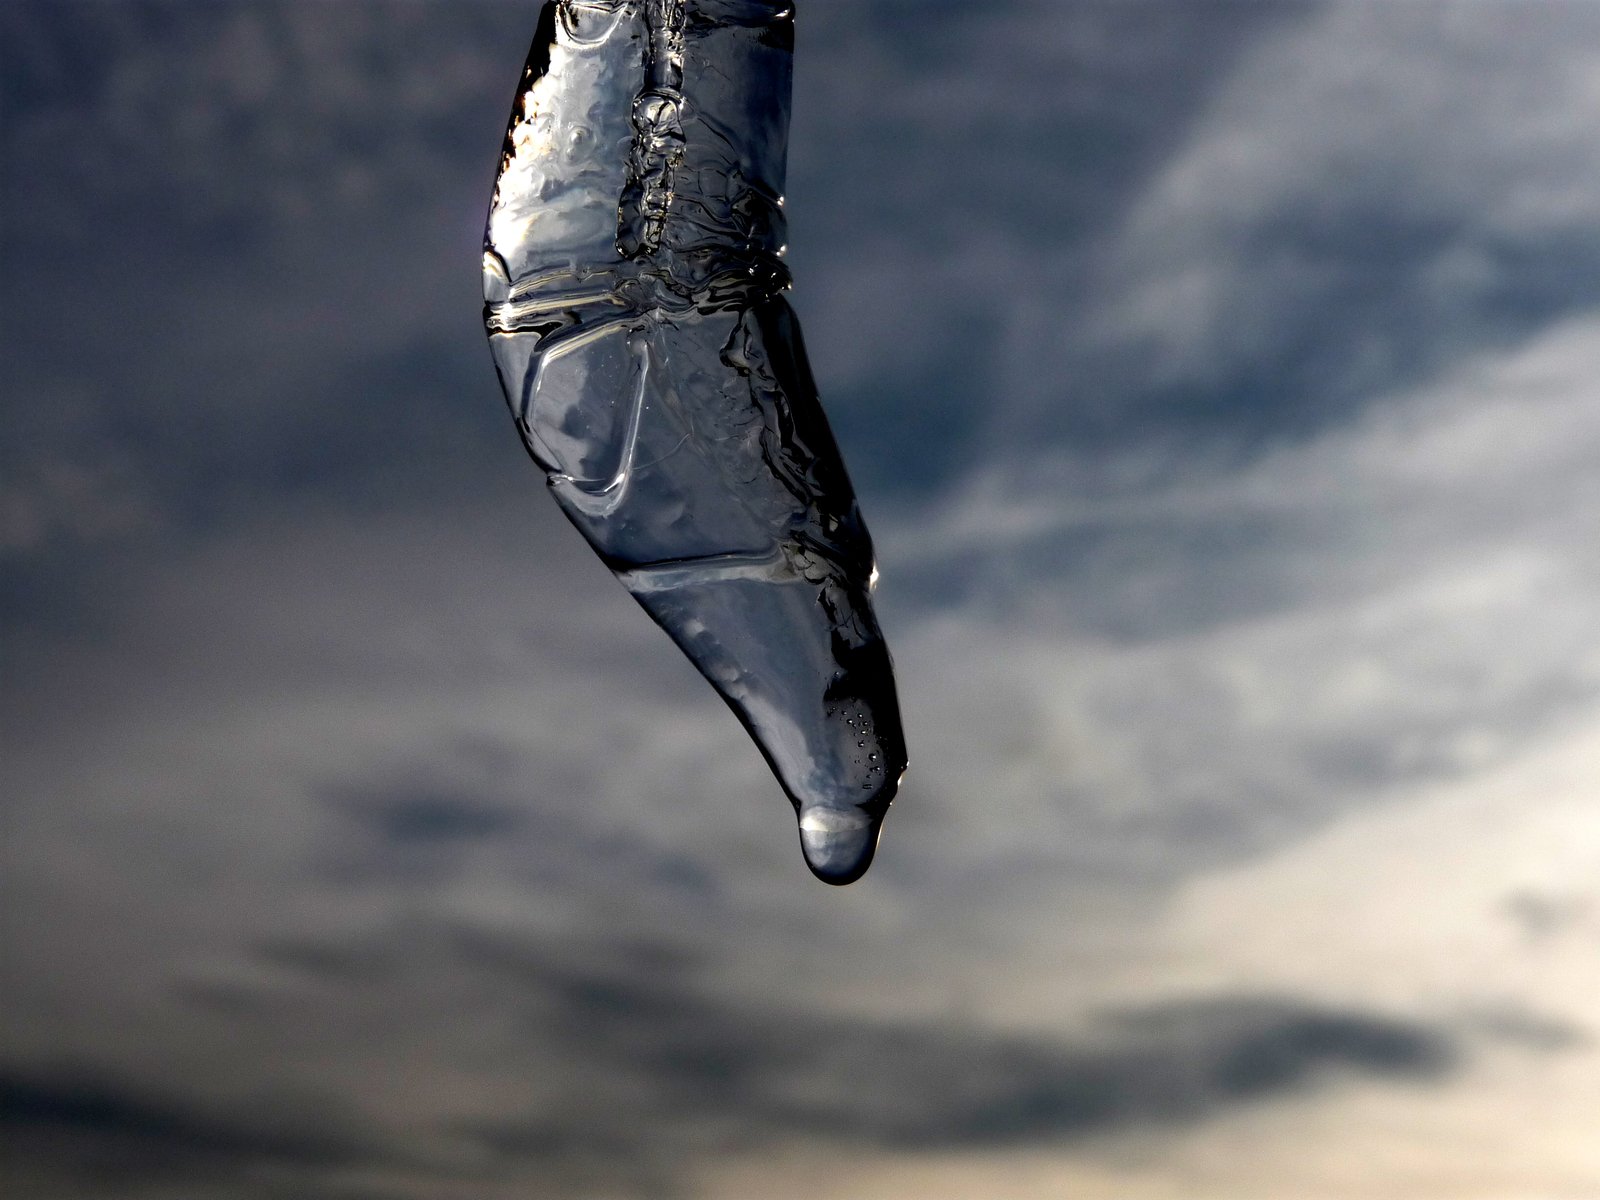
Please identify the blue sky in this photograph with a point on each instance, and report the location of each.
(1219, 381)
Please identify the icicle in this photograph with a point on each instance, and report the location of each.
(634, 285)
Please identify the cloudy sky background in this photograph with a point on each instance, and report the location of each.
(1222, 384)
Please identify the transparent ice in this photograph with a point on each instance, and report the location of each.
(633, 288)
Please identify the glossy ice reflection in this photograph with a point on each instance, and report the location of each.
(634, 301)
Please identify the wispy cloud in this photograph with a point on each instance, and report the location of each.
(1220, 384)
(664, 1067)
(1372, 193)
(1209, 652)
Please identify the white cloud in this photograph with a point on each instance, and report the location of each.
(1226, 654)
(1454, 137)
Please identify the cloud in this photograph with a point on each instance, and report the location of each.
(1374, 192)
(634, 1063)
(62, 498)
(1159, 655)
(1229, 373)
(951, 174)
(249, 120)
(709, 1075)
(290, 830)
(247, 264)
(69, 1130)
(1423, 900)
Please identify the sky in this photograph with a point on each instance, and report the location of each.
(1221, 383)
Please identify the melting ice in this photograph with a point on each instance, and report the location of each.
(633, 288)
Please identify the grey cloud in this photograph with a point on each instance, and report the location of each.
(463, 791)
(1518, 1026)
(68, 1128)
(1541, 916)
(332, 756)
(1373, 194)
(648, 1065)
(619, 1065)
(1151, 660)
(396, 835)
(408, 813)
(953, 170)
(246, 267)
(429, 820)
(944, 127)
(244, 118)
(1284, 219)
(676, 1061)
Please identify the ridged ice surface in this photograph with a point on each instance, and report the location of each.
(633, 288)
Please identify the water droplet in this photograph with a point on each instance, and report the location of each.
(838, 842)
(636, 314)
